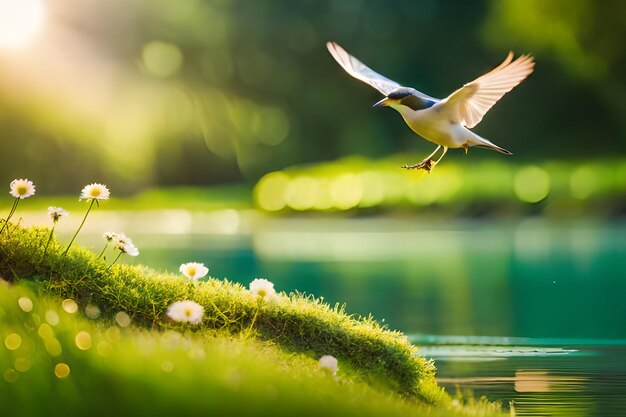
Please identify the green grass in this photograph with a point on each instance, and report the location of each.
(281, 339)
(131, 371)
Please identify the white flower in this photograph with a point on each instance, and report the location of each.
(109, 236)
(194, 270)
(130, 249)
(95, 191)
(22, 188)
(127, 247)
(56, 213)
(329, 362)
(188, 311)
(263, 288)
(121, 238)
(123, 243)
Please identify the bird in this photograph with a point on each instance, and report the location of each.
(444, 122)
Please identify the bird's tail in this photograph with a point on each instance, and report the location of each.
(484, 143)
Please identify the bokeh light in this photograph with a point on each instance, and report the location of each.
(45, 331)
(69, 306)
(357, 184)
(10, 375)
(584, 181)
(122, 319)
(53, 346)
(83, 340)
(26, 304)
(22, 365)
(301, 193)
(62, 370)
(92, 311)
(270, 191)
(346, 191)
(161, 59)
(52, 317)
(373, 189)
(13, 341)
(20, 22)
(532, 184)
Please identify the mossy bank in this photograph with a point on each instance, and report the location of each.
(282, 339)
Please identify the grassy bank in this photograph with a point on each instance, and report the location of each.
(56, 362)
(296, 328)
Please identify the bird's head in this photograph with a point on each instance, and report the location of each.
(405, 97)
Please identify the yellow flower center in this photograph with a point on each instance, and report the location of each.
(191, 271)
(262, 293)
(95, 192)
(188, 312)
(22, 189)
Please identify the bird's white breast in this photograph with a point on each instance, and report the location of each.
(434, 125)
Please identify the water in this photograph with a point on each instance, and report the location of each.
(537, 309)
(544, 377)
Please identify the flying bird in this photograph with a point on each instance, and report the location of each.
(446, 122)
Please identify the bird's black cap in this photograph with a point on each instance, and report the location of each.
(411, 98)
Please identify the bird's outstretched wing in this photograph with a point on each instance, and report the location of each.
(360, 71)
(469, 103)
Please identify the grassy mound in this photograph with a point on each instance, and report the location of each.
(247, 357)
(55, 362)
(296, 323)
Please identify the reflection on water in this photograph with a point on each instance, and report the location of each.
(573, 380)
(528, 279)
(531, 278)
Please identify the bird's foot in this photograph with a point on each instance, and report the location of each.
(426, 165)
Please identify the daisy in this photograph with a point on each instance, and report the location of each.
(194, 270)
(330, 363)
(121, 238)
(55, 214)
(128, 248)
(124, 245)
(95, 191)
(20, 189)
(186, 311)
(263, 288)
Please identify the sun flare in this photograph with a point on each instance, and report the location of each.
(20, 22)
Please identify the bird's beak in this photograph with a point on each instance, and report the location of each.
(383, 102)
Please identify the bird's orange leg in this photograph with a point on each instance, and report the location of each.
(426, 163)
(445, 149)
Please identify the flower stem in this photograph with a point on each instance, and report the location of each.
(106, 245)
(79, 227)
(15, 203)
(249, 331)
(115, 260)
(49, 239)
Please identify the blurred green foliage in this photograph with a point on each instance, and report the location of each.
(469, 188)
(198, 92)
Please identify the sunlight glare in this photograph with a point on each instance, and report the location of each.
(20, 22)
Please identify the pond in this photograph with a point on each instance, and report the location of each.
(527, 311)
